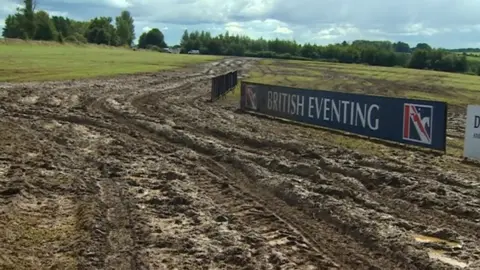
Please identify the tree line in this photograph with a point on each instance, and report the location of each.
(466, 50)
(27, 23)
(378, 53)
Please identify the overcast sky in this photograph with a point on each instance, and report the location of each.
(441, 23)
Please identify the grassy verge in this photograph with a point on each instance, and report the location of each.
(456, 89)
(40, 61)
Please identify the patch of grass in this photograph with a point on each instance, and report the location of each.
(235, 94)
(457, 89)
(474, 58)
(455, 96)
(405, 75)
(34, 61)
(28, 236)
(455, 147)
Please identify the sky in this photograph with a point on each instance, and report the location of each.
(440, 23)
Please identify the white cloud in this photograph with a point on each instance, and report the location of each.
(445, 23)
(57, 13)
(337, 32)
(234, 28)
(258, 28)
(283, 30)
(119, 3)
(418, 29)
(106, 3)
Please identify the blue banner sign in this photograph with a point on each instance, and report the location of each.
(410, 121)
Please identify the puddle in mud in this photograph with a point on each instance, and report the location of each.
(439, 255)
(430, 239)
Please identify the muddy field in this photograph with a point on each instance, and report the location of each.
(141, 172)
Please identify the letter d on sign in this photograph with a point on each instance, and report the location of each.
(477, 121)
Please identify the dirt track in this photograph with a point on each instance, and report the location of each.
(141, 172)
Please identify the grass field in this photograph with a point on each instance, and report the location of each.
(457, 90)
(474, 53)
(39, 61)
(473, 59)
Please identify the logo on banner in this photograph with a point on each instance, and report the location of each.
(417, 123)
(250, 97)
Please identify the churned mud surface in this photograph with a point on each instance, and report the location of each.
(142, 172)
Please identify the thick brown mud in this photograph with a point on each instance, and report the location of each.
(142, 172)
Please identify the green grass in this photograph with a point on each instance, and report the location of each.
(40, 61)
(456, 89)
(473, 53)
(474, 58)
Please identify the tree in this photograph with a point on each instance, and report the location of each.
(125, 28)
(154, 37)
(214, 46)
(401, 47)
(79, 28)
(13, 26)
(28, 22)
(423, 46)
(185, 38)
(462, 64)
(45, 28)
(63, 25)
(142, 40)
(100, 31)
(419, 59)
(309, 51)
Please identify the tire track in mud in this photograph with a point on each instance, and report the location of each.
(246, 211)
(346, 253)
(121, 118)
(242, 202)
(422, 265)
(339, 254)
(105, 216)
(371, 175)
(245, 203)
(87, 209)
(253, 215)
(192, 145)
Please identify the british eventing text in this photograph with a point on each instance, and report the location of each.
(326, 109)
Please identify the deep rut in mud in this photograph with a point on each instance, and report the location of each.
(142, 172)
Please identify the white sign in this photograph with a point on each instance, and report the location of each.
(472, 133)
